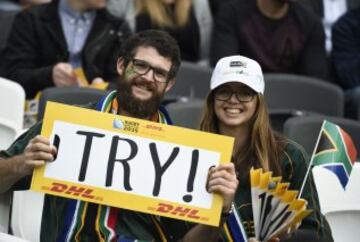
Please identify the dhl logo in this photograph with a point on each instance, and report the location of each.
(154, 127)
(177, 210)
(72, 190)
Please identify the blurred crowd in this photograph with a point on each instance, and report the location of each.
(48, 43)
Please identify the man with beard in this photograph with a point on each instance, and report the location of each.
(147, 68)
(282, 35)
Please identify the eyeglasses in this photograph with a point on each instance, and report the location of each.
(242, 95)
(142, 67)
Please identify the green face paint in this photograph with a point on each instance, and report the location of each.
(130, 72)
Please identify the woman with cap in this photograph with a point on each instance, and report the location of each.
(236, 107)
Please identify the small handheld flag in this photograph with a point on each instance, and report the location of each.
(233, 230)
(334, 151)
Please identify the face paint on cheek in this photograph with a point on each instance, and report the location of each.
(129, 72)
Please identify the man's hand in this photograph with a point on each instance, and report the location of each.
(222, 180)
(37, 152)
(63, 75)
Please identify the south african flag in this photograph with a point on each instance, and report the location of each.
(335, 151)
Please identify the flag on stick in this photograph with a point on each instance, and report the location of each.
(335, 151)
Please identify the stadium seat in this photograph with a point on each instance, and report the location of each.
(69, 95)
(12, 97)
(192, 81)
(305, 130)
(289, 95)
(352, 104)
(186, 113)
(10, 238)
(26, 214)
(344, 225)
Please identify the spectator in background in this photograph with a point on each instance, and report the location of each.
(215, 6)
(8, 10)
(330, 11)
(346, 58)
(282, 35)
(188, 21)
(17, 5)
(49, 42)
(28, 3)
(9, 5)
(346, 49)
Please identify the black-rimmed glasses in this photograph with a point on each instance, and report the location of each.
(242, 95)
(142, 67)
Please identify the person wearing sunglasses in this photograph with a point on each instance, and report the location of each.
(236, 107)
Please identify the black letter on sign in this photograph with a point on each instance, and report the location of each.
(193, 168)
(56, 143)
(112, 160)
(86, 154)
(159, 171)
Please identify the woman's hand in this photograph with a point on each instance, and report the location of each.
(222, 180)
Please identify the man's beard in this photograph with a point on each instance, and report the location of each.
(134, 106)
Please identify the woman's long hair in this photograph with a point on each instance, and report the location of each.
(264, 147)
(161, 14)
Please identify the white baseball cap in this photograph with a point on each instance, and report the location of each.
(238, 68)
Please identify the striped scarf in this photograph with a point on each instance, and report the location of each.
(101, 220)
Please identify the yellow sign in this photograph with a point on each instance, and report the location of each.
(131, 163)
